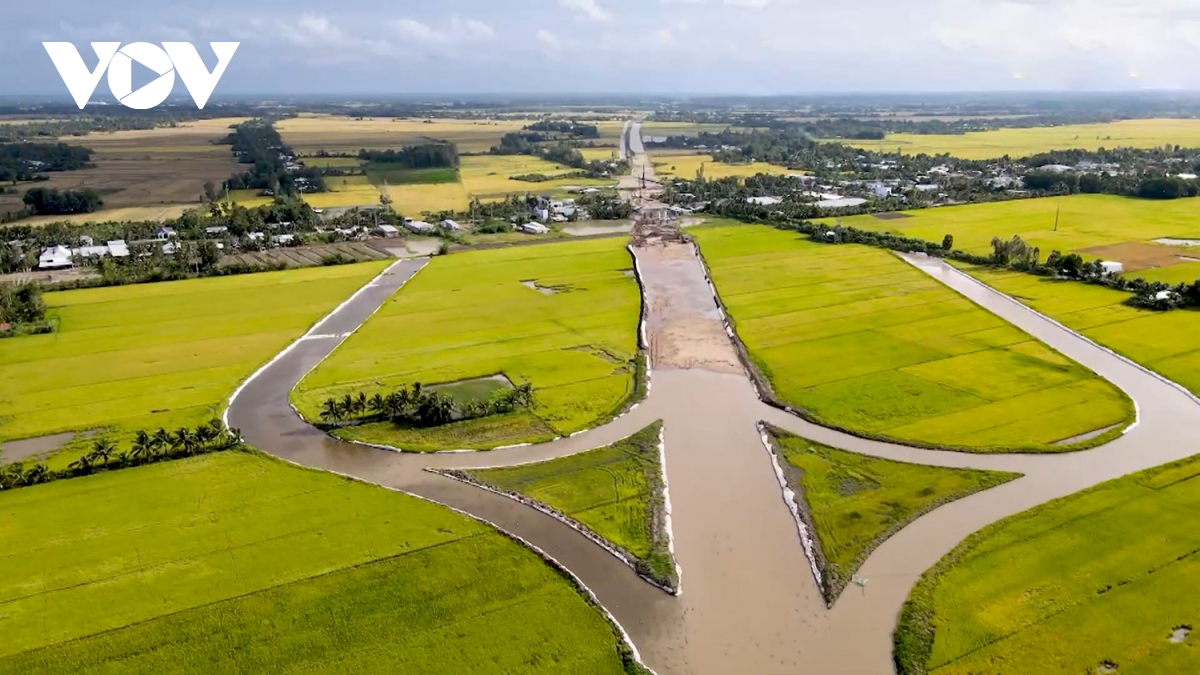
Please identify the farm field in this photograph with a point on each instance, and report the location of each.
(308, 134)
(233, 562)
(1001, 603)
(309, 256)
(1095, 226)
(164, 354)
(856, 502)
(614, 491)
(680, 128)
(861, 340)
(469, 315)
(686, 166)
(486, 177)
(1142, 133)
(143, 174)
(1162, 341)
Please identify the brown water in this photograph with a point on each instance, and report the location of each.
(749, 604)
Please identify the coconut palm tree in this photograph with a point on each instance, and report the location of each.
(347, 405)
(83, 465)
(38, 474)
(360, 403)
(523, 395)
(204, 435)
(160, 441)
(142, 445)
(101, 450)
(182, 440)
(377, 404)
(330, 410)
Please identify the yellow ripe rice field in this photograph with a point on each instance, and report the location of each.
(162, 354)
(562, 317)
(1141, 133)
(1096, 226)
(686, 166)
(862, 340)
(308, 134)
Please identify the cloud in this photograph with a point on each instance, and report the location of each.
(588, 9)
(549, 39)
(456, 30)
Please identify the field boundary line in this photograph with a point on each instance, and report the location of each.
(595, 601)
(1125, 359)
(789, 498)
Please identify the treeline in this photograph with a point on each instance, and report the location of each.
(420, 407)
(1145, 187)
(28, 161)
(259, 144)
(568, 127)
(1014, 254)
(21, 304)
(43, 201)
(145, 448)
(422, 156)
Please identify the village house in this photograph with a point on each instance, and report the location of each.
(533, 228)
(55, 258)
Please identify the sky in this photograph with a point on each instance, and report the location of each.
(753, 47)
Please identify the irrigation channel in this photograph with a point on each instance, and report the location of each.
(749, 603)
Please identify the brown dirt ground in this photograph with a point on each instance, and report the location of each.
(1137, 255)
(145, 167)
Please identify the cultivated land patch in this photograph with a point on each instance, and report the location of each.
(165, 354)
(1146, 133)
(615, 492)
(145, 174)
(1164, 342)
(233, 562)
(861, 340)
(468, 315)
(854, 502)
(1084, 221)
(1107, 575)
(686, 166)
(309, 134)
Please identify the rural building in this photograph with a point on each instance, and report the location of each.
(1112, 267)
(764, 201)
(388, 230)
(55, 258)
(418, 226)
(840, 202)
(451, 225)
(217, 229)
(533, 228)
(113, 249)
(164, 233)
(283, 239)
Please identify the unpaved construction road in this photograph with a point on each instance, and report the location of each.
(749, 603)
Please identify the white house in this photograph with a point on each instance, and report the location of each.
(533, 228)
(55, 258)
(164, 233)
(388, 230)
(451, 225)
(418, 226)
(218, 229)
(118, 249)
(764, 201)
(283, 239)
(1112, 266)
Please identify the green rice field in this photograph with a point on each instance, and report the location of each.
(570, 330)
(614, 491)
(861, 340)
(1100, 581)
(1096, 226)
(1165, 342)
(164, 354)
(856, 502)
(234, 562)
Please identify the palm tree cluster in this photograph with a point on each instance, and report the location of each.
(418, 406)
(146, 447)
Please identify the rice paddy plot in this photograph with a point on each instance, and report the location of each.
(468, 315)
(163, 354)
(1142, 133)
(1162, 341)
(234, 562)
(1101, 579)
(854, 502)
(861, 340)
(686, 166)
(1086, 224)
(616, 492)
(310, 133)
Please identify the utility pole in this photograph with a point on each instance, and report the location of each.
(1057, 211)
